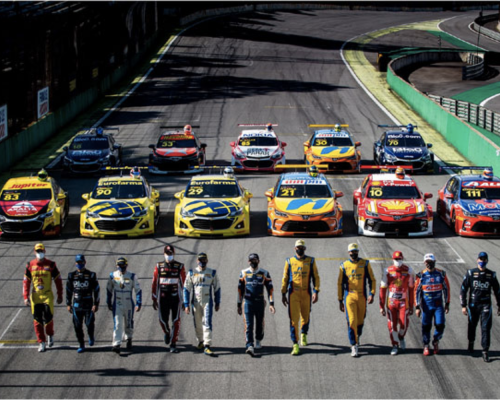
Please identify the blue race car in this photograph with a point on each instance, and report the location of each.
(403, 146)
(92, 150)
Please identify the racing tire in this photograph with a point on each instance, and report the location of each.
(453, 223)
(356, 219)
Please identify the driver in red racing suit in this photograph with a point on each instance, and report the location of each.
(397, 292)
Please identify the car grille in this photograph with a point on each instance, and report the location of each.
(487, 227)
(258, 164)
(22, 227)
(397, 228)
(340, 166)
(305, 226)
(115, 226)
(211, 224)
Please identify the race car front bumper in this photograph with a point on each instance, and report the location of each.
(410, 227)
(113, 227)
(218, 227)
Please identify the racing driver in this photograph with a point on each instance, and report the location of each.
(354, 274)
(397, 292)
(121, 283)
(166, 292)
(41, 271)
(299, 274)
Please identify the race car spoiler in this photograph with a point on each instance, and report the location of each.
(328, 125)
(468, 168)
(110, 170)
(178, 126)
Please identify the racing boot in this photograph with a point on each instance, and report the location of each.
(295, 349)
(354, 351)
(486, 357)
(81, 349)
(41, 347)
(208, 351)
(50, 341)
(402, 344)
(250, 351)
(129, 344)
(303, 339)
(426, 350)
(173, 348)
(200, 346)
(115, 349)
(394, 351)
(258, 345)
(435, 344)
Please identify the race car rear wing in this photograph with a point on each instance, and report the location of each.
(119, 170)
(328, 125)
(468, 168)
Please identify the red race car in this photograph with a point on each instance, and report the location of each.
(391, 205)
(470, 204)
(177, 152)
(257, 149)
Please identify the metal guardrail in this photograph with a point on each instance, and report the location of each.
(475, 68)
(481, 20)
(471, 113)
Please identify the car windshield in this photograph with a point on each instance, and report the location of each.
(401, 140)
(304, 190)
(258, 141)
(213, 188)
(176, 141)
(119, 190)
(26, 195)
(393, 192)
(474, 193)
(341, 141)
(89, 143)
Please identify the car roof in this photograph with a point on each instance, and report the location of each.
(91, 135)
(123, 178)
(476, 177)
(257, 132)
(343, 131)
(391, 177)
(176, 133)
(31, 182)
(404, 132)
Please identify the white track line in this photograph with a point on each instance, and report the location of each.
(11, 322)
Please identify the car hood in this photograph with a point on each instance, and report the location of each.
(395, 207)
(24, 208)
(408, 153)
(258, 151)
(482, 207)
(304, 206)
(87, 155)
(176, 152)
(213, 207)
(117, 208)
(334, 151)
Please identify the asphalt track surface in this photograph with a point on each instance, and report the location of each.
(280, 67)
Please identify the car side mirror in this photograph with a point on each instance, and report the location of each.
(307, 144)
(203, 145)
(179, 195)
(339, 194)
(155, 194)
(116, 146)
(283, 144)
(152, 146)
(427, 196)
(429, 145)
(232, 144)
(248, 195)
(449, 196)
(357, 195)
(85, 196)
(269, 193)
(357, 144)
(65, 148)
(378, 144)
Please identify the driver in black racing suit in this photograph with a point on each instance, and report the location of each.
(479, 282)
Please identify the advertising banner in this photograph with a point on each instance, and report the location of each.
(3, 122)
(43, 102)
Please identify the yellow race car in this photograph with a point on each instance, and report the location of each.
(334, 148)
(213, 206)
(34, 205)
(120, 206)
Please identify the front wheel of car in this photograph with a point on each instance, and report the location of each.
(453, 222)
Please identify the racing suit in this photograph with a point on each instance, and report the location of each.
(166, 291)
(82, 293)
(397, 291)
(351, 287)
(251, 288)
(119, 297)
(479, 283)
(298, 275)
(41, 273)
(201, 290)
(431, 290)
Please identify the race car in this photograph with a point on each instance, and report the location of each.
(301, 205)
(177, 152)
(92, 150)
(257, 149)
(213, 206)
(403, 146)
(34, 205)
(333, 147)
(470, 204)
(120, 206)
(391, 205)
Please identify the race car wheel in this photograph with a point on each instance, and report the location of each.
(356, 218)
(454, 222)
